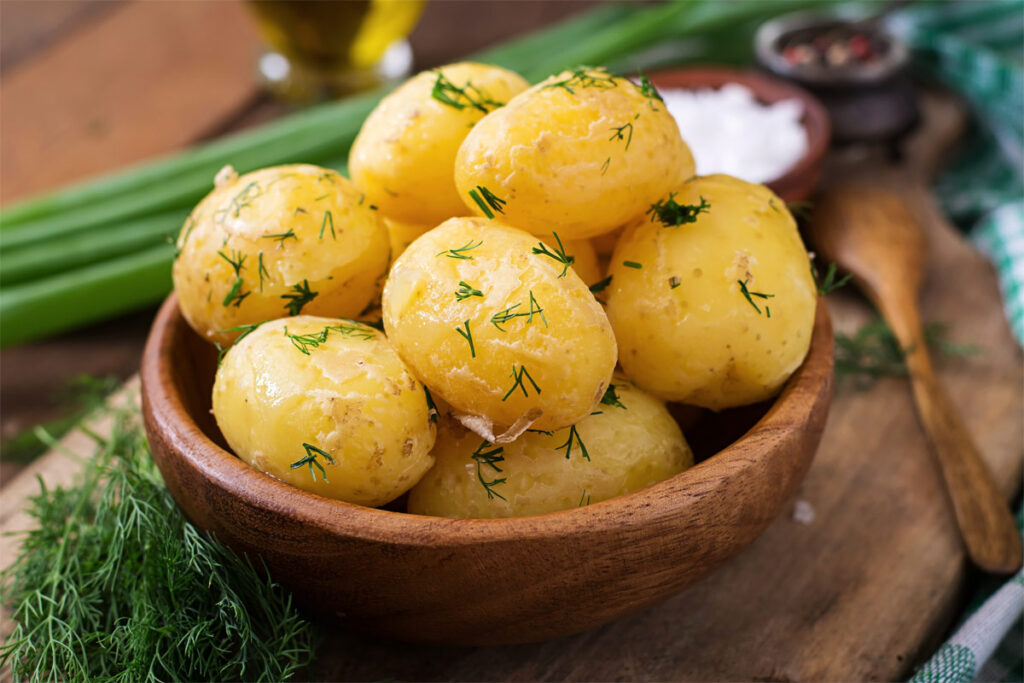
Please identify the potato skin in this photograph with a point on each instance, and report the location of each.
(237, 222)
(351, 396)
(568, 352)
(404, 155)
(629, 448)
(556, 157)
(402, 234)
(703, 342)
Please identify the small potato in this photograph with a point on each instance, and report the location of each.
(276, 242)
(716, 311)
(579, 154)
(325, 405)
(625, 446)
(404, 156)
(497, 330)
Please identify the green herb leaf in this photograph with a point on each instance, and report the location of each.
(611, 397)
(468, 336)
(748, 295)
(490, 459)
(518, 377)
(298, 297)
(633, 264)
(558, 254)
(466, 290)
(446, 92)
(829, 284)
(487, 201)
(460, 253)
(574, 436)
(673, 214)
(310, 459)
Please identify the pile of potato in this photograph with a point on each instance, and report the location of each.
(449, 323)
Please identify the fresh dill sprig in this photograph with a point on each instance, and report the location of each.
(535, 308)
(468, 336)
(505, 315)
(235, 295)
(460, 253)
(633, 264)
(487, 201)
(190, 224)
(246, 330)
(466, 290)
(582, 497)
(431, 408)
(605, 165)
(585, 77)
(310, 459)
(574, 435)
(599, 287)
(328, 223)
(313, 340)
(674, 282)
(298, 297)
(282, 236)
(558, 255)
(491, 459)
(446, 92)
(518, 377)
(262, 270)
(873, 352)
(236, 260)
(648, 90)
(673, 214)
(244, 198)
(829, 284)
(113, 583)
(611, 397)
(749, 296)
(618, 134)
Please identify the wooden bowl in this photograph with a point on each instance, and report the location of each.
(800, 181)
(464, 581)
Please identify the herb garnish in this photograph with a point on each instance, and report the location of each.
(573, 435)
(582, 496)
(235, 295)
(633, 264)
(535, 308)
(237, 260)
(611, 397)
(468, 336)
(298, 297)
(241, 200)
(262, 270)
(460, 252)
(507, 314)
(598, 287)
(829, 284)
(310, 459)
(466, 290)
(604, 166)
(648, 90)
(282, 236)
(487, 201)
(518, 376)
(328, 223)
(674, 282)
(446, 92)
(490, 458)
(748, 295)
(585, 77)
(559, 254)
(304, 342)
(246, 330)
(673, 214)
(618, 135)
(431, 408)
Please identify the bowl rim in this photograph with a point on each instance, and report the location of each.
(166, 413)
(815, 118)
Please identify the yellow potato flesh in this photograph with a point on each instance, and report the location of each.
(404, 155)
(578, 163)
(349, 395)
(402, 235)
(276, 242)
(685, 328)
(551, 365)
(628, 448)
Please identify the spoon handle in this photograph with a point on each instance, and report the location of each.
(990, 534)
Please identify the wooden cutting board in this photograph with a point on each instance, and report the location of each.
(863, 591)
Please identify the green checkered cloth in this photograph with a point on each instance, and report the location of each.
(987, 646)
(977, 47)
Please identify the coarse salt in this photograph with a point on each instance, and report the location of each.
(729, 131)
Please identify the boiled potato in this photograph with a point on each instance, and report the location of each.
(506, 335)
(404, 156)
(325, 405)
(629, 442)
(578, 154)
(276, 242)
(712, 298)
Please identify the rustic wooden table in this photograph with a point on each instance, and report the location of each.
(861, 592)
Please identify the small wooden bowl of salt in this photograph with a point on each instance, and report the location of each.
(749, 125)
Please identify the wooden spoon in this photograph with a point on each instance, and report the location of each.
(868, 231)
